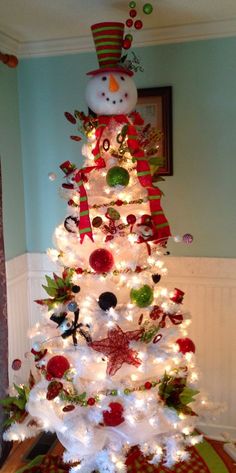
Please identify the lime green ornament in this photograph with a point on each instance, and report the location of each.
(143, 296)
(117, 176)
(132, 4)
(147, 8)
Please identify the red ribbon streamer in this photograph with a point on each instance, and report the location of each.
(84, 220)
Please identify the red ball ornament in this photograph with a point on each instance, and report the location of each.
(138, 24)
(126, 43)
(57, 366)
(133, 13)
(101, 260)
(91, 401)
(119, 202)
(186, 345)
(148, 385)
(131, 219)
(188, 238)
(114, 416)
(129, 23)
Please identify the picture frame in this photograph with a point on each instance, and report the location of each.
(155, 107)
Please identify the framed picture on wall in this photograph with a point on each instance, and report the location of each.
(155, 107)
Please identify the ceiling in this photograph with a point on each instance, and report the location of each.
(51, 27)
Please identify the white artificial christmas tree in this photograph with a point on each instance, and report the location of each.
(113, 365)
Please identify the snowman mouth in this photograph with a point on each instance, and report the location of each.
(119, 100)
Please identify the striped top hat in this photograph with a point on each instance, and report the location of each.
(108, 40)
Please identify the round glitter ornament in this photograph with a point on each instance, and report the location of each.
(107, 300)
(97, 222)
(132, 4)
(143, 296)
(91, 401)
(147, 8)
(75, 289)
(132, 13)
(129, 23)
(101, 260)
(129, 36)
(148, 385)
(16, 364)
(72, 306)
(138, 24)
(117, 176)
(57, 366)
(188, 238)
(52, 176)
(131, 219)
(126, 43)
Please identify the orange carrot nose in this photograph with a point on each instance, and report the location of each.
(113, 84)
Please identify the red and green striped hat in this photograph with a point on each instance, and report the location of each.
(108, 40)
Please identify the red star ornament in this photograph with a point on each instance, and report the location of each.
(116, 348)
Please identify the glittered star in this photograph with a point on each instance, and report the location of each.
(116, 348)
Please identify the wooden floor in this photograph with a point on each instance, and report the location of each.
(19, 451)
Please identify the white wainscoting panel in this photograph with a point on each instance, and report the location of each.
(210, 287)
(17, 315)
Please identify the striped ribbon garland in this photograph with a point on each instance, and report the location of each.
(143, 172)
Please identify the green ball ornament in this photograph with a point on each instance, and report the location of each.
(117, 176)
(132, 4)
(143, 296)
(147, 8)
(129, 37)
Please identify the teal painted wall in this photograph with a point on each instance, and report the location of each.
(12, 176)
(200, 197)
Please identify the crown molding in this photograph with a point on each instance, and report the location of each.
(145, 37)
(9, 45)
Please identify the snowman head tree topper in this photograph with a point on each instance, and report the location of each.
(111, 89)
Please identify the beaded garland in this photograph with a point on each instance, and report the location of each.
(94, 398)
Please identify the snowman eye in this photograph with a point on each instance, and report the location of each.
(122, 78)
(104, 78)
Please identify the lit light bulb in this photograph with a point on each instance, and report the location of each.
(134, 377)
